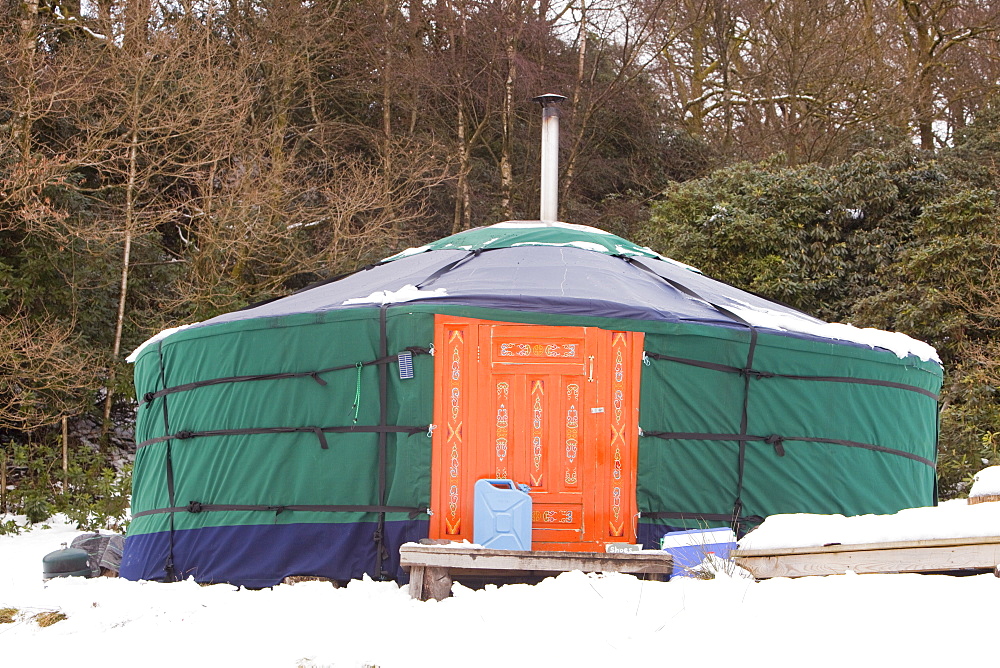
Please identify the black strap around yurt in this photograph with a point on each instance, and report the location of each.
(320, 432)
(316, 375)
(937, 440)
(168, 567)
(438, 273)
(381, 551)
(741, 438)
(196, 507)
(738, 523)
(778, 441)
(758, 375)
(744, 423)
(680, 287)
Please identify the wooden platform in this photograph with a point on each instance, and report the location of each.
(432, 567)
(921, 556)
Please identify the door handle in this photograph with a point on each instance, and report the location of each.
(590, 374)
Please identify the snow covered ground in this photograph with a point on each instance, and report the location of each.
(571, 620)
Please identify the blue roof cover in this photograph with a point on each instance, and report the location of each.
(557, 268)
(534, 267)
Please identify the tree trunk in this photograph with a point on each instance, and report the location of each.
(581, 62)
(386, 66)
(136, 24)
(21, 125)
(506, 170)
(30, 16)
(925, 109)
(130, 192)
(65, 455)
(921, 45)
(461, 220)
(699, 73)
(104, 16)
(925, 86)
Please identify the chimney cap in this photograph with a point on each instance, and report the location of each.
(548, 99)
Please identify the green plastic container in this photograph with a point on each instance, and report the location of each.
(68, 562)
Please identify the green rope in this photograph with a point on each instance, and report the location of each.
(357, 394)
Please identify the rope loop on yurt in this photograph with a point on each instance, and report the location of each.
(356, 407)
(777, 442)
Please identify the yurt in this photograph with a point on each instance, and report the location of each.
(633, 395)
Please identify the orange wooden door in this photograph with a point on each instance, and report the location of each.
(536, 379)
(551, 407)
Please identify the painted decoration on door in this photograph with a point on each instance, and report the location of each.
(456, 348)
(618, 426)
(572, 434)
(537, 434)
(503, 420)
(554, 408)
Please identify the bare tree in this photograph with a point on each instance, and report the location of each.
(934, 39)
(42, 371)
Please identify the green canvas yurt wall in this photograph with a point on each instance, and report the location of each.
(283, 439)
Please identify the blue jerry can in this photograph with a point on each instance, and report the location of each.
(501, 518)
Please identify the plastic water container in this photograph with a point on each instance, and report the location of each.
(690, 548)
(501, 518)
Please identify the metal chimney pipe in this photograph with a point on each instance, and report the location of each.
(549, 210)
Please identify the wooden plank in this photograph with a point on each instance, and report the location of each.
(512, 560)
(417, 582)
(427, 583)
(912, 559)
(859, 547)
(431, 567)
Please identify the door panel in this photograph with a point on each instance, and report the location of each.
(551, 407)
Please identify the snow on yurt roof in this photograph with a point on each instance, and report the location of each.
(564, 269)
(514, 233)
